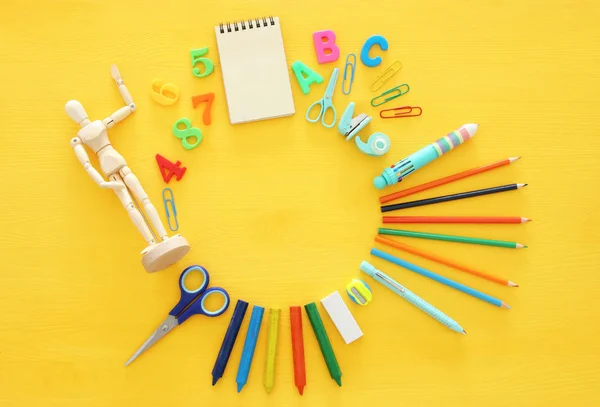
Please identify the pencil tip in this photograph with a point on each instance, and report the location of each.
(511, 284)
(338, 380)
(525, 220)
(215, 380)
(269, 389)
(464, 332)
(301, 390)
(505, 305)
(240, 387)
(513, 159)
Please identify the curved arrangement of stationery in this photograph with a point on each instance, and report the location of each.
(264, 92)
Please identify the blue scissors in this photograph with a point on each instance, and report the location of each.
(191, 303)
(325, 103)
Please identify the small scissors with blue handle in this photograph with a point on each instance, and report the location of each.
(191, 303)
(325, 103)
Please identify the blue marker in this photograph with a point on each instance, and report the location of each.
(249, 346)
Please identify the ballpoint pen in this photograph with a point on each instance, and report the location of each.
(411, 297)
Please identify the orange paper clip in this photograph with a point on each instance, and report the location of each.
(402, 111)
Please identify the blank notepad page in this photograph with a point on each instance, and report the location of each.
(255, 71)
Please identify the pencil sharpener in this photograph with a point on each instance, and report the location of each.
(359, 292)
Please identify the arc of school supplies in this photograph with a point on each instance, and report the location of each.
(411, 297)
(457, 219)
(403, 168)
(451, 238)
(326, 349)
(249, 347)
(453, 197)
(440, 279)
(272, 349)
(441, 260)
(447, 180)
(298, 348)
(229, 340)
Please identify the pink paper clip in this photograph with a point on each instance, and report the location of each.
(402, 111)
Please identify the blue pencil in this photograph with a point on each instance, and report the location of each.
(438, 278)
(249, 346)
(229, 340)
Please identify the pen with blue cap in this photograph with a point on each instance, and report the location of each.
(411, 297)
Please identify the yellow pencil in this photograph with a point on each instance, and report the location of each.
(272, 349)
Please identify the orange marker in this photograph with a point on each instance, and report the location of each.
(298, 348)
(446, 180)
(441, 260)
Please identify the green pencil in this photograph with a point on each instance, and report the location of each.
(450, 238)
(324, 344)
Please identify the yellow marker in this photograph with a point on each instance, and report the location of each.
(272, 349)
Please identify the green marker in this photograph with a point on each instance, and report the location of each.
(324, 344)
(451, 238)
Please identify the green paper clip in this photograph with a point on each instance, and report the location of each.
(396, 93)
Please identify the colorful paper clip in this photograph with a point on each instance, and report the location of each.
(386, 75)
(171, 200)
(352, 66)
(395, 93)
(402, 111)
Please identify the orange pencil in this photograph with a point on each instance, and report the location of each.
(450, 263)
(455, 219)
(446, 180)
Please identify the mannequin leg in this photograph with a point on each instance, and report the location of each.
(134, 214)
(134, 185)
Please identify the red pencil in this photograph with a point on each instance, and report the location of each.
(446, 180)
(455, 219)
(298, 348)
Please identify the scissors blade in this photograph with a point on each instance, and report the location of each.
(163, 329)
(332, 83)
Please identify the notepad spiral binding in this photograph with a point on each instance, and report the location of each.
(246, 25)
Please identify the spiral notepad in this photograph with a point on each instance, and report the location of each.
(255, 71)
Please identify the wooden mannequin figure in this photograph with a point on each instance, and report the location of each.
(158, 254)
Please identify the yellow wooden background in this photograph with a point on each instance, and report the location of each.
(282, 212)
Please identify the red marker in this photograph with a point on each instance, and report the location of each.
(298, 348)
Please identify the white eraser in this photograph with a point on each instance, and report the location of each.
(342, 317)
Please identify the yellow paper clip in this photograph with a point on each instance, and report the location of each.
(166, 94)
(352, 66)
(170, 201)
(386, 75)
(402, 111)
(394, 92)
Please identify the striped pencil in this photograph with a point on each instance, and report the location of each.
(456, 219)
(447, 180)
(441, 260)
(452, 238)
(440, 279)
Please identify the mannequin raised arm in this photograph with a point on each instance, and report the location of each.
(125, 111)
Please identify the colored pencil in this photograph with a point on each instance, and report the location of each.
(452, 238)
(441, 260)
(440, 279)
(453, 197)
(447, 180)
(456, 219)
(249, 347)
(272, 349)
(298, 348)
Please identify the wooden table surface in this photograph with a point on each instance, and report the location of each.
(282, 212)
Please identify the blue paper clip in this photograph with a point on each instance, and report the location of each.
(352, 66)
(171, 200)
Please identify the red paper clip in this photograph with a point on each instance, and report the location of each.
(402, 111)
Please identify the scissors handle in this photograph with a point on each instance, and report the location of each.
(200, 308)
(324, 111)
(319, 103)
(189, 295)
